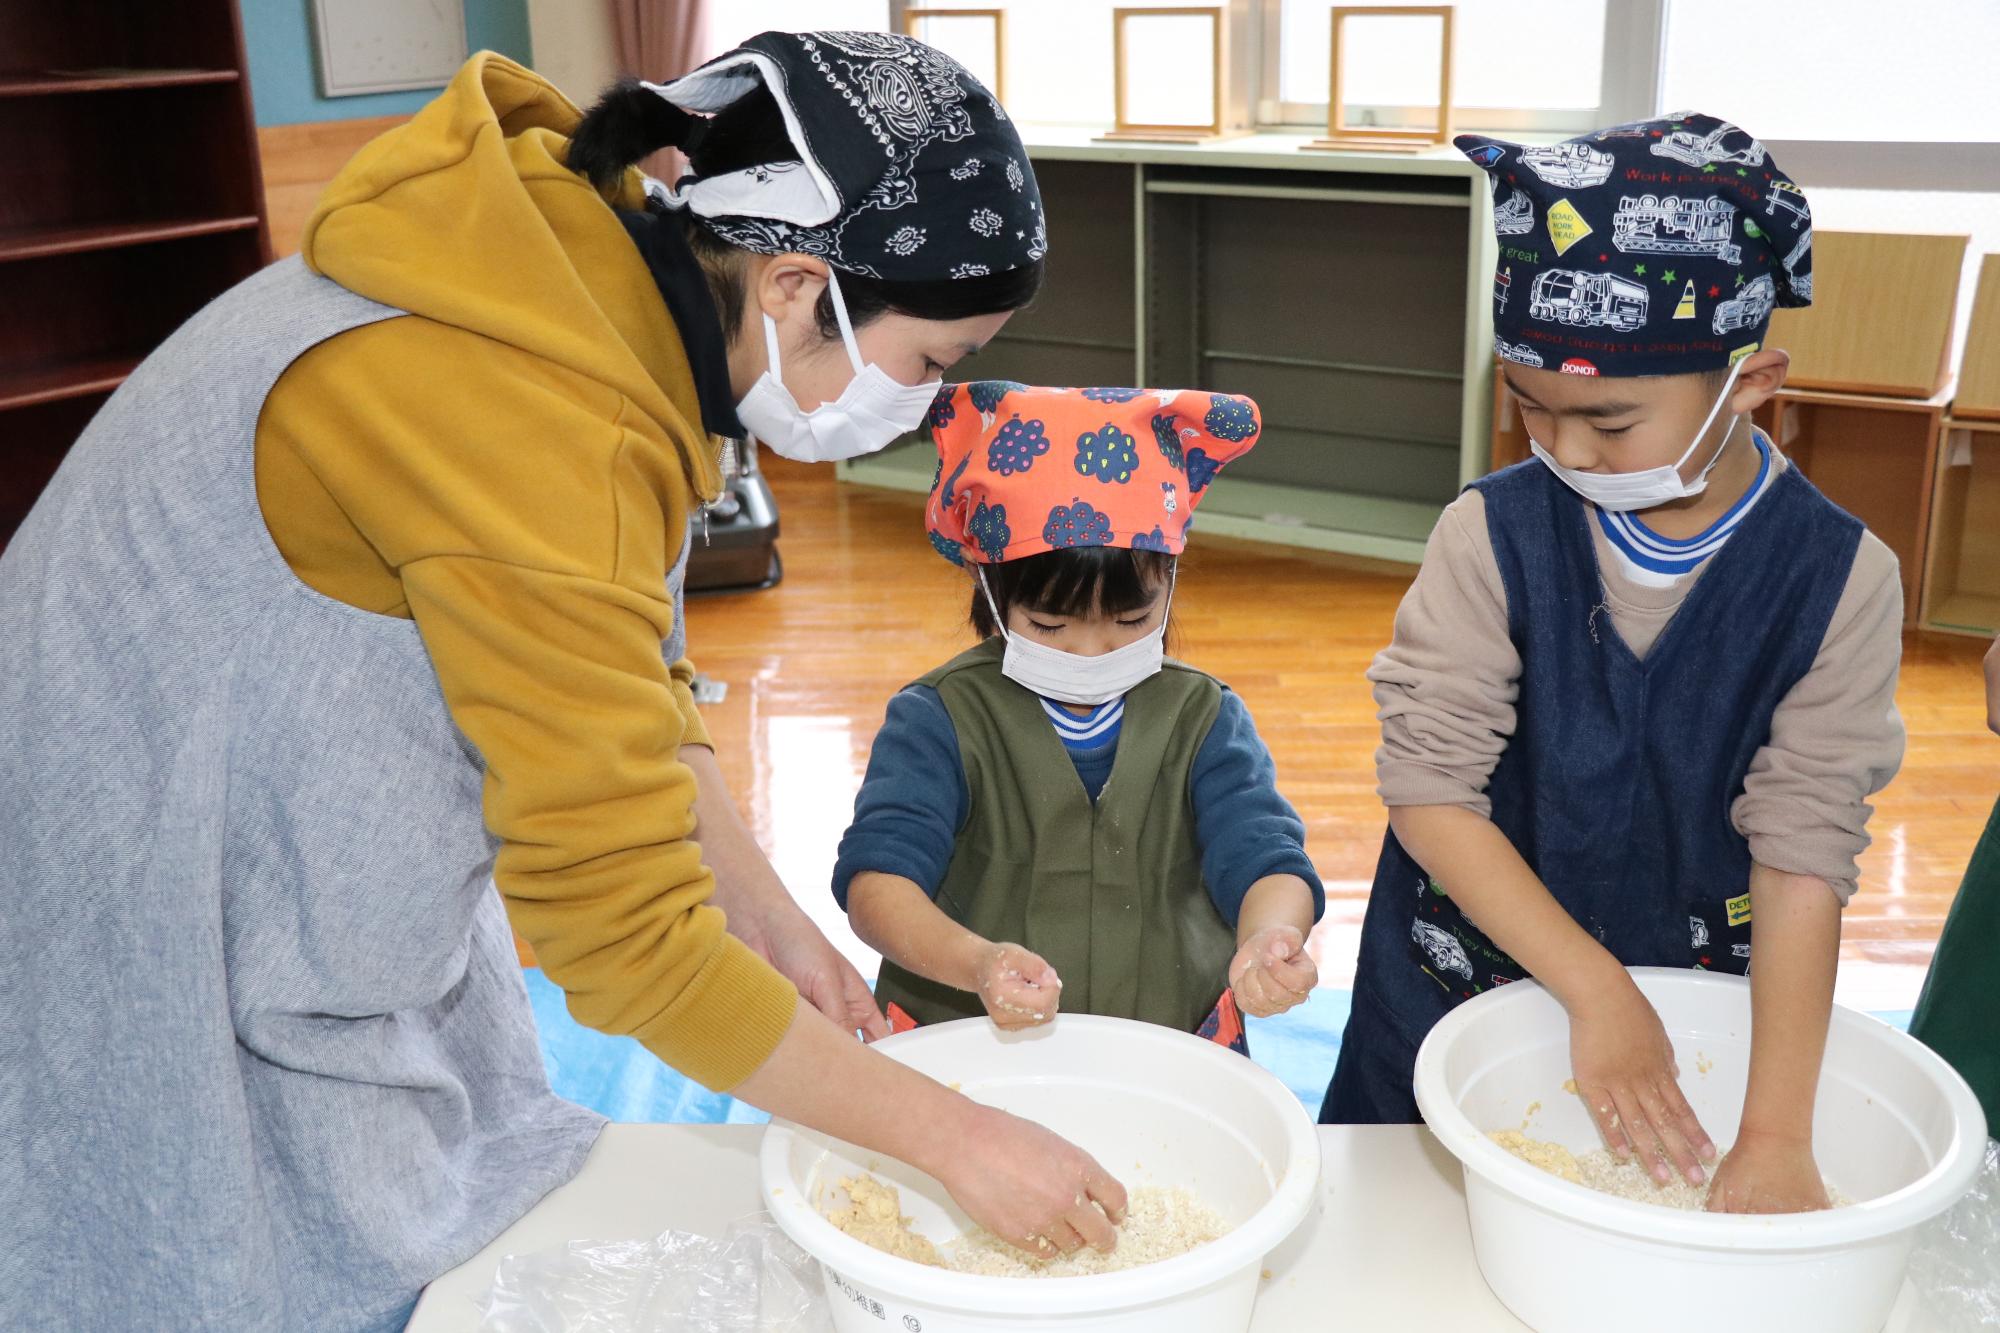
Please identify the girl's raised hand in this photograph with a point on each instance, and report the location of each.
(1018, 987)
(1272, 972)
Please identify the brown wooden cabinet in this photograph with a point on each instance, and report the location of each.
(1962, 577)
(1875, 457)
(129, 198)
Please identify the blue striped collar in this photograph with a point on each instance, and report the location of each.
(1647, 550)
(1089, 730)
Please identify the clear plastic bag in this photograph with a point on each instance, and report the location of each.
(753, 1280)
(1956, 1264)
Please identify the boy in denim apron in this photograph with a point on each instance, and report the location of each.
(1645, 682)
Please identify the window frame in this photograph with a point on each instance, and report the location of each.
(1630, 88)
(1634, 41)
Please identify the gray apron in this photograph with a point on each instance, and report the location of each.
(266, 1060)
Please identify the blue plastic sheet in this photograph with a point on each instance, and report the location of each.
(615, 1076)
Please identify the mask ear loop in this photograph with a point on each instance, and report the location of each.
(771, 349)
(1708, 421)
(847, 329)
(999, 621)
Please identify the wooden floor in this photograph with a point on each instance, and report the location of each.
(865, 607)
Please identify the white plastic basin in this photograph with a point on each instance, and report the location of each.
(1895, 1128)
(1153, 1106)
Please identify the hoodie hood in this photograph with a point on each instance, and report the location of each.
(468, 215)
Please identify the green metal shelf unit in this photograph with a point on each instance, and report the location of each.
(1347, 293)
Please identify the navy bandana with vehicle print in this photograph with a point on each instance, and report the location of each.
(1655, 248)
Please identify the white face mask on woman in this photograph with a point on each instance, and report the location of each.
(1622, 492)
(872, 412)
(1073, 678)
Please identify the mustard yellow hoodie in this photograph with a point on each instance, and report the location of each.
(513, 465)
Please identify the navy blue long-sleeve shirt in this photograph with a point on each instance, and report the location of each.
(913, 801)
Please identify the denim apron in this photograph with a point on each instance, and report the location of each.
(1617, 784)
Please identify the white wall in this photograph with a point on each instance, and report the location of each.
(573, 46)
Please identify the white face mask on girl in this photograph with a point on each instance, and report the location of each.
(1622, 492)
(1072, 678)
(871, 412)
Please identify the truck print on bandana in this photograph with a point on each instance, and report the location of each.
(1570, 165)
(1749, 308)
(1798, 267)
(1650, 242)
(1514, 216)
(1724, 144)
(1589, 300)
(1791, 199)
(1670, 225)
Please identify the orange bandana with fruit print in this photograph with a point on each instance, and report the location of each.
(1025, 470)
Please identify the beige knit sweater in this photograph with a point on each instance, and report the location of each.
(1447, 684)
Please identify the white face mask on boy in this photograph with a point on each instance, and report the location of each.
(1073, 678)
(872, 412)
(1623, 492)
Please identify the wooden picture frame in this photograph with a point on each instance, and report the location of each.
(913, 21)
(1127, 129)
(1340, 136)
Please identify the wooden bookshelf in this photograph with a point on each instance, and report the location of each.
(33, 242)
(129, 198)
(1962, 571)
(46, 82)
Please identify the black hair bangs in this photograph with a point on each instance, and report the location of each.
(1078, 581)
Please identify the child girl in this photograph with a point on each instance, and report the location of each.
(1061, 817)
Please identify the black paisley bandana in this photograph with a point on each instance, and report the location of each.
(911, 171)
